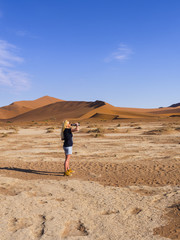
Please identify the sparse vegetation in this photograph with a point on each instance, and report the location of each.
(138, 128)
(97, 135)
(92, 126)
(164, 130)
(50, 130)
(97, 130)
(4, 135)
(8, 131)
(112, 130)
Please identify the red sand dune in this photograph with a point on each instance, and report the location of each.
(167, 111)
(20, 107)
(78, 110)
(48, 108)
(108, 111)
(59, 111)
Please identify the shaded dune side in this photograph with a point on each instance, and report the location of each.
(59, 111)
(175, 105)
(168, 111)
(78, 110)
(21, 107)
(104, 116)
(154, 111)
(108, 111)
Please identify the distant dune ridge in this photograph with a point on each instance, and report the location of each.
(49, 108)
(19, 107)
(175, 105)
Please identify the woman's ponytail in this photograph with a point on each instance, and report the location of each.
(64, 125)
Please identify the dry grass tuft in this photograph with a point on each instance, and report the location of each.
(138, 128)
(97, 130)
(164, 130)
(4, 135)
(92, 126)
(50, 130)
(112, 130)
(98, 135)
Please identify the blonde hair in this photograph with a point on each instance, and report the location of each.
(64, 126)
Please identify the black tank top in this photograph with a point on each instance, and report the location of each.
(68, 142)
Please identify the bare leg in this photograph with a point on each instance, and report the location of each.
(66, 163)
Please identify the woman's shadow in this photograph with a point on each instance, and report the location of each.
(33, 171)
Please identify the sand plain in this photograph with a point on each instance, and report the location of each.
(126, 183)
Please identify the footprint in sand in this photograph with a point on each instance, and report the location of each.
(39, 231)
(136, 211)
(73, 229)
(16, 224)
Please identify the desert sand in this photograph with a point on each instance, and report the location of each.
(126, 183)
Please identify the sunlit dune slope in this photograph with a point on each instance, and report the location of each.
(78, 110)
(162, 112)
(108, 111)
(167, 111)
(59, 111)
(21, 107)
(47, 108)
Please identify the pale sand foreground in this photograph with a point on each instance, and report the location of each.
(139, 176)
(73, 209)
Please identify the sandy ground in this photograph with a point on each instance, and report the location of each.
(126, 183)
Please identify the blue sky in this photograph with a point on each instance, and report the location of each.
(124, 52)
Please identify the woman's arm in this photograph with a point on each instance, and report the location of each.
(75, 129)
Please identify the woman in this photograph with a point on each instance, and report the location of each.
(66, 135)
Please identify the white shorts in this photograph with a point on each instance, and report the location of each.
(68, 150)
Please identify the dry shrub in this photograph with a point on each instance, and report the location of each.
(4, 135)
(134, 125)
(34, 122)
(98, 135)
(15, 130)
(97, 130)
(9, 129)
(112, 130)
(138, 128)
(92, 126)
(8, 121)
(159, 131)
(50, 130)
(152, 132)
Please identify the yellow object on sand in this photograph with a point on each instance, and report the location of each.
(67, 173)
